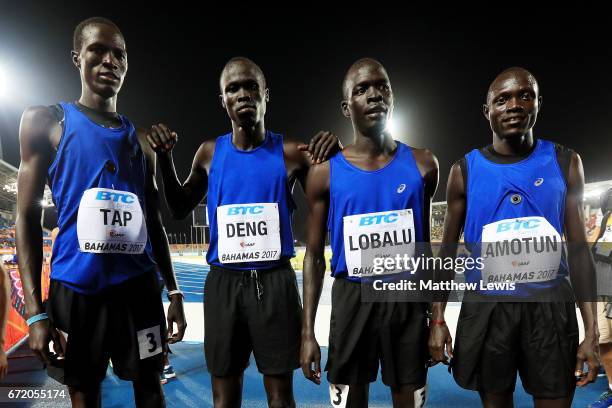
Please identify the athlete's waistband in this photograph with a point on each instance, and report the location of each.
(275, 268)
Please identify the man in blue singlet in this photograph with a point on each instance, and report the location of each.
(104, 297)
(251, 298)
(515, 199)
(387, 214)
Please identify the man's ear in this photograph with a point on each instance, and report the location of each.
(222, 101)
(345, 109)
(267, 95)
(485, 111)
(76, 58)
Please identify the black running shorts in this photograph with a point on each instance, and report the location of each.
(362, 334)
(124, 323)
(494, 341)
(255, 311)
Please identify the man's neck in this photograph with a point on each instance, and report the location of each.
(514, 146)
(98, 103)
(248, 138)
(373, 144)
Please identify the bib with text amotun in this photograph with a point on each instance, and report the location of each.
(248, 232)
(376, 236)
(111, 222)
(520, 250)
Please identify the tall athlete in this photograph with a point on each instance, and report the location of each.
(5, 295)
(251, 298)
(396, 183)
(527, 193)
(104, 298)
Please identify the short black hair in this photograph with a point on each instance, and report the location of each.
(525, 71)
(77, 36)
(243, 60)
(356, 65)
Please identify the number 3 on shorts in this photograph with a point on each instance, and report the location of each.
(149, 342)
(338, 393)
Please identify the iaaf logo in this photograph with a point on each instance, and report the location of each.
(378, 219)
(116, 234)
(522, 263)
(245, 209)
(246, 244)
(516, 225)
(115, 197)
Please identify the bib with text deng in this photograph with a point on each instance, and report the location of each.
(377, 235)
(111, 222)
(248, 232)
(520, 250)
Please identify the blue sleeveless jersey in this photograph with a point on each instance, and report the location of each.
(240, 182)
(514, 199)
(353, 191)
(90, 156)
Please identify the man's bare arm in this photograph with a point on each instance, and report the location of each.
(317, 195)
(300, 156)
(36, 155)
(582, 270)
(182, 198)
(440, 338)
(159, 243)
(37, 127)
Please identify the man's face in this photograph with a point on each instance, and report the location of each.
(244, 94)
(513, 104)
(102, 59)
(369, 98)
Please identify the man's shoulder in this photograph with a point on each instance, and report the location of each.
(37, 123)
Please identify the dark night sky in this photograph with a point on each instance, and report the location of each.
(440, 68)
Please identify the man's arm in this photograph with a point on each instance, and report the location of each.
(300, 156)
(5, 294)
(429, 169)
(317, 195)
(182, 198)
(582, 271)
(159, 243)
(439, 337)
(37, 125)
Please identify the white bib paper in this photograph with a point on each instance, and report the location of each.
(111, 221)
(520, 250)
(248, 232)
(377, 235)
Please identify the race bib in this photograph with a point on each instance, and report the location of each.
(338, 394)
(368, 237)
(248, 232)
(520, 250)
(149, 342)
(111, 222)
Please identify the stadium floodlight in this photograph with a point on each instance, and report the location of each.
(393, 126)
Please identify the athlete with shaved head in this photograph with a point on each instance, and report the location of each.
(247, 176)
(392, 205)
(104, 297)
(527, 192)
